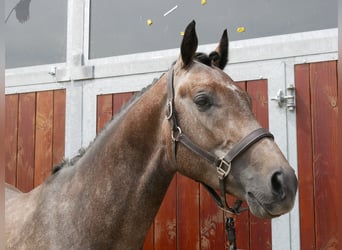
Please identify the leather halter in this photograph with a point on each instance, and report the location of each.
(223, 165)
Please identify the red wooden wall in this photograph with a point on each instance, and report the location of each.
(339, 127)
(35, 125)
(188, 218)
(316, 96)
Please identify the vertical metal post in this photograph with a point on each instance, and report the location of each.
(74, 90)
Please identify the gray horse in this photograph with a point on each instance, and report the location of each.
(110, 196)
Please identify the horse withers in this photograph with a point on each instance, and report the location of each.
(193, 120)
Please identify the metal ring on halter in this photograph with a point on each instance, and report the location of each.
(227, 211)
(178, 131)
(169, 105)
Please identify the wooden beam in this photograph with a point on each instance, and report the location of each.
(339, 126)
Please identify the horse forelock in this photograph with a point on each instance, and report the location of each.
(205, 58)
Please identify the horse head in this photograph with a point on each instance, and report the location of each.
(215, 116)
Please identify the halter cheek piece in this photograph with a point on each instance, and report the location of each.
(223, 165)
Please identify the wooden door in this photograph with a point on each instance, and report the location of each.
(316, 97)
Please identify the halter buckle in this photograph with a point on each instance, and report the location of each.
(223, 173)
(175, 134)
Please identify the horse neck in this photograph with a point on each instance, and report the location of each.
(125, 171)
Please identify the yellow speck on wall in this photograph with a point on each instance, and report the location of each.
(149, 22)
(240, 29)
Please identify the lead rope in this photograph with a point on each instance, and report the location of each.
(230, 214)
(230, 229)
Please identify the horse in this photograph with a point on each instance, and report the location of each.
(194, 121)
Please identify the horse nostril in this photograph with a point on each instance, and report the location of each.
(277, 184)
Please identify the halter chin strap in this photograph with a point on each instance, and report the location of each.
(223, 165)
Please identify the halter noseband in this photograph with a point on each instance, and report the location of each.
(223, 165)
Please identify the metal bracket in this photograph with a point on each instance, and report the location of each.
(76, 70)
(288, 99)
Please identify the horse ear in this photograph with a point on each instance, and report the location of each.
(219, 57)
(189, 44)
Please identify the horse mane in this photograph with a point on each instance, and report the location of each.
(71, 162)
(199, 56)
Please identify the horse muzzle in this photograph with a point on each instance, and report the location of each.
(276, 198)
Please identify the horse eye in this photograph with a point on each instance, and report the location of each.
(203, 102)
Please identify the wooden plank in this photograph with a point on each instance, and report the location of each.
(242, 225)
(242, 222)
(43, 140)
(260, 229)
(323, 81)
(260, 233)
(257, 89)
(242, 85)
(304, 149)
(58, 126)
(212, 232)
(11, 138)
(149, 240)
(119, 100)
(104, 110)
(165, 230)
(187, 213)
(26, 139)
(339, 129)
